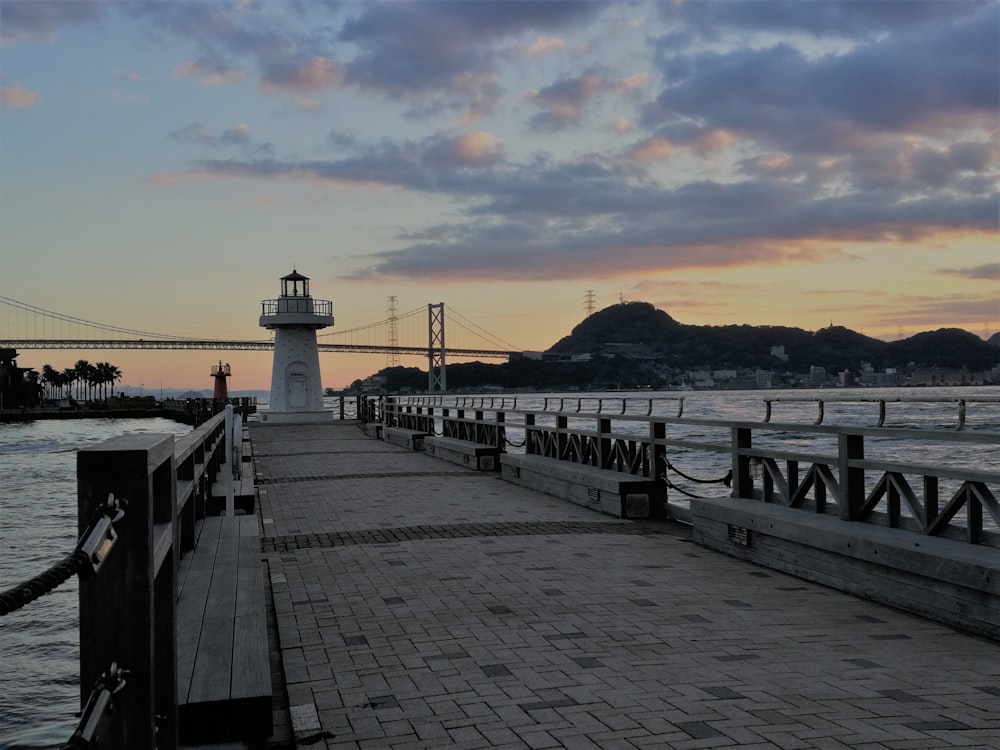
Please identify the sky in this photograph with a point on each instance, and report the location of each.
(804, 163)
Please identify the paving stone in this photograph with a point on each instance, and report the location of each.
(423, 606)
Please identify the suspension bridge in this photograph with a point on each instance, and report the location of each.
(417, 332)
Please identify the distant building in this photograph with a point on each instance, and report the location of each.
(945, 376)
(817, 376)
(778, 352)
(765, 379)
(846, 379)
(15, 389)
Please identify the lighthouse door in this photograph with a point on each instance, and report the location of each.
(296, 388)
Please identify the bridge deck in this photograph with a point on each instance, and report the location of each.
(421, 605)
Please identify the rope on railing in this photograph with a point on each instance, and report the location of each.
(726, 480)
(91, 551)
(100, 708)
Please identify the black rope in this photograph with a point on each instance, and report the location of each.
(727, 480)
(85, 557)
(515, 445)
(45, 582)
(673, 486)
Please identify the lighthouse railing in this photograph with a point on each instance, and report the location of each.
(298, 305)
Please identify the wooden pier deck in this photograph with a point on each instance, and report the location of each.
(422, 605)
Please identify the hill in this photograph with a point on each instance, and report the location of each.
(641, 326)
(634, 345)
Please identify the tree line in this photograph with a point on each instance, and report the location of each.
(90, 381)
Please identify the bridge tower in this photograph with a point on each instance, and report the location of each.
(296, 386)
(220, 372)
(437, 378)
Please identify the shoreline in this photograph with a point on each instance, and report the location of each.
(31, 415)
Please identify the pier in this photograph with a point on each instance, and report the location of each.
(469, 573)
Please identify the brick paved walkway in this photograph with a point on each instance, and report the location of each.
(420, 605)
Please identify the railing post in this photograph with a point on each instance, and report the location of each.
(562, 439)
(603, 443)
(657, 459)
(852, 480)
(128, 609)
(742, 440)
(529, 426)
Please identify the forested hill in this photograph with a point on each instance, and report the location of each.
(641, 328)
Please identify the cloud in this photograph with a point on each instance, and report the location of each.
(130, 77)
(17, 97)
(818, 18)
(563, 102)
(477, 149)
(987, 272)
(439, 163)
(543, 45)
(651, 149)
(929, 81)
(193, 132)
(209, 72)
(847, 122)
(447, 51)
(26, 21)
(302, 76)
(238, 136)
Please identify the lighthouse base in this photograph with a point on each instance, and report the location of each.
(295, 417)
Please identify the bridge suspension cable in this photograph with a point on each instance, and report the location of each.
(478, 330)
(74, 321)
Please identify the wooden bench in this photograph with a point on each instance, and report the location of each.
(412, 439)
(946, 580)
(475, 456)
(223, 664)
(605, 490)
(244, 492)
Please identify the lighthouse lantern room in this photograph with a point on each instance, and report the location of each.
(296, 386)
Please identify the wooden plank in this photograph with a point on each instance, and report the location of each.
(192, 602)
(210, 679)
(251, 674)
(228, 695)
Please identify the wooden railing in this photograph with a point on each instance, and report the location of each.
(833, 475)
(128, 608)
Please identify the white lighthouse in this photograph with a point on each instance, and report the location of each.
(296, 387)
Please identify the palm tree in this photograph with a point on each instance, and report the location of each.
(32, 380)
(50, 377)
(80, 371)
(106, 374)
(68, 378)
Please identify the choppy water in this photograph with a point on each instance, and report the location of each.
(39, 645)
